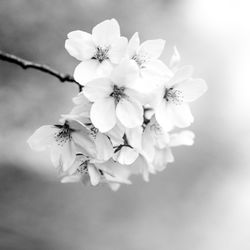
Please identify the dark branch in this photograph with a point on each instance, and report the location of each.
(41, 67)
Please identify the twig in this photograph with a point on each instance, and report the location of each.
(25, 64)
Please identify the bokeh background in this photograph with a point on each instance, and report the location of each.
(200, 202)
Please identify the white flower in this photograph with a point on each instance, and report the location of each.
(154, 136)
(103, 145)
(88, 170)
(98, 51)
(175, 60)
(114, 98)
(163, 156)
(171, 107)
(146, 55)
(129, 150)
(63, 141)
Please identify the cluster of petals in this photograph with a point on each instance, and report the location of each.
(128, 116)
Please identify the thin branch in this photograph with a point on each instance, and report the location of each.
(25, 64)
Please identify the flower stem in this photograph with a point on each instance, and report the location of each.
(25, 64)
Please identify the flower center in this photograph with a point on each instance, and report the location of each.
(63, 135)
(101, 54)
(93, 131)
(83, 167)
(156, 128)
(174, 96)
(118, 93)
(140, 59)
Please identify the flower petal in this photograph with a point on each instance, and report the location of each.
(175, 59)
(162, 158)
(94, 175)
(116, 134)
(86, 71)
(155, 69)
(106, 32)
(80, 99)
(84, 142)
(71, 179)
(55, 154)
(118, 50)
(102, 114)
(182, 74)
(104, 147)
(134, 136)
(68, 155)
(148, 149)
(126, 155)
(152, 48)
(104, 68)
(80, 45)
(182, 115)
(164, 115)
(98, 89)
(126, 72)
(133, 45)
(191, 89)
(42, 138)
(129, 112)
(185, 137)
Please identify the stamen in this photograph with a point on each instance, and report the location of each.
(101, 54)
(94, 131)
(140, 59)
(83, 167)
(63, 135)
(118, 93)
(156, 128)
(173, 95)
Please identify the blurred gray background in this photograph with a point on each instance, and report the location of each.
(200, 202)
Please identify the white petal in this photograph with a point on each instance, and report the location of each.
(182, 74)
(133, 45)
(138, 95)
(126, 72)
(71, 179)
(55, 154)
(148, 149)
(104, 147)
(102, 114)
(164, 115)
(126, 155)
(98, 89)
(80, 99)
(84, 142)
(162, 158)
(175, 59)
(129, 112)
(80, 45)
(42, 138)
(182, 115)
(94, 175)
(86, 71)
(68, 155)
(114, 186)
(152, 48)
(185, 137)
(81, 110)
(106, 32)
(134, 136)
(155, 69)
(116, 134)
(104, 68)
(191, 89)
(118, 50)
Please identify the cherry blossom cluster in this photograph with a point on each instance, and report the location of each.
(122, 121)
